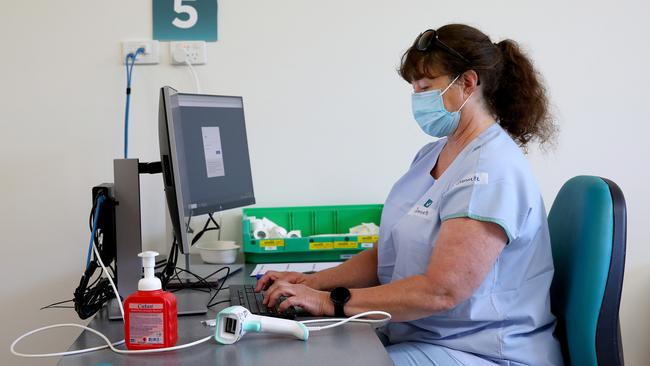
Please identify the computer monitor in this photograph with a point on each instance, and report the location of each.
(204, 155)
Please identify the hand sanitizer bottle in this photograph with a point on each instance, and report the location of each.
(150, 318)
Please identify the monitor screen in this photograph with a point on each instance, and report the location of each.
(204, 153)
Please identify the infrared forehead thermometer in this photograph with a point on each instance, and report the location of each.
(235, 321)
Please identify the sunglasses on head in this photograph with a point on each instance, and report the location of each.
(428, 39)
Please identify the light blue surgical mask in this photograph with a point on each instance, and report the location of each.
(430, 113)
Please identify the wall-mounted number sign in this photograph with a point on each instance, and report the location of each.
(185, 20)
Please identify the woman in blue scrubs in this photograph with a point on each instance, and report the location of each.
(463, 261)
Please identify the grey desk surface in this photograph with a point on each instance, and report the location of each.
(350, 344)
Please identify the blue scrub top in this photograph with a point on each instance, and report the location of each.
(508, 318)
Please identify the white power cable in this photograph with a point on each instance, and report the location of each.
(353, 319)
(58, 354)
(339, 321)
(182, 56)
(102, 336)
(110, 280)
(108, 342)
(197, 85)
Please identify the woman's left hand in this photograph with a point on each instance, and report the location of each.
(315, 302)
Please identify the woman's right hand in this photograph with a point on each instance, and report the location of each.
(292, 277)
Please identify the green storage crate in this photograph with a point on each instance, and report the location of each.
(310, 220)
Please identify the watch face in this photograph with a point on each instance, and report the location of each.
(340, 295)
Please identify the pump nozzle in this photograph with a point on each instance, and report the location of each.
(150, 282)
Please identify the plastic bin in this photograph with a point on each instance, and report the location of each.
(310, 220)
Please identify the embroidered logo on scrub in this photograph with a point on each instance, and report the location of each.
(423, 210)
(472, 179)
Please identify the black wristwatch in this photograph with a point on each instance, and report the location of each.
(339, 297)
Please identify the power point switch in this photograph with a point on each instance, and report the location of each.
(192, 51)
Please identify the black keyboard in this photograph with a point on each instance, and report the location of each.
(246, 296)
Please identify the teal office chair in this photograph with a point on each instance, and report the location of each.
(588, 231)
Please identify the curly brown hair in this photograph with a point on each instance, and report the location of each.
(511, 86)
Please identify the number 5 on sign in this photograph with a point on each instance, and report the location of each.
(192, 14)
(185, 20)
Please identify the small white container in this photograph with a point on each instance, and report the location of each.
(219, 252)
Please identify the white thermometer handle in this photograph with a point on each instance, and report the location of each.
(279, 326)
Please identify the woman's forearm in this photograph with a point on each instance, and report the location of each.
(407, 299)
(358, 271)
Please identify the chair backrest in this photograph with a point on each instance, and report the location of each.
(587, 223)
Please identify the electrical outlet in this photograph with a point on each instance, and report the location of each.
(194, 51)
(151, 53)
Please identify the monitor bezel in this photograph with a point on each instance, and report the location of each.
(169, 160)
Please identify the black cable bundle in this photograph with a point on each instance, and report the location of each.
(170, 267)
(94, 290)
(169, 276)
(206, 228)
(90, 296)
(89, 299)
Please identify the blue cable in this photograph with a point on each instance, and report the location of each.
(100, 200)
(129, 72)
(126, 109)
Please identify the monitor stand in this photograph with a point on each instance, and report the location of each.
(128, 233)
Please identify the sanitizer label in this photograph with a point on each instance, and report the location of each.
(144, 307)
(146, 328)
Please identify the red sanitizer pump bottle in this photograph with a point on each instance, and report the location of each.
(150, 319)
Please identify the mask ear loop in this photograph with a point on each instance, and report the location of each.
(466, 100)
(449, 86)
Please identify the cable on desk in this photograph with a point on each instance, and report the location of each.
(102, 336)
(210, 304)
(54, 304)
(354, 319)
(204, 280)
(191, 286)
(218, 302)
(97, 260)
(171, 272)
(94, 295)
(108, 342)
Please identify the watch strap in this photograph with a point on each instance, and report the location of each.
(339, 297)
(338, 310)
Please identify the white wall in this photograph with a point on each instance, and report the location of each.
(328, 119)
